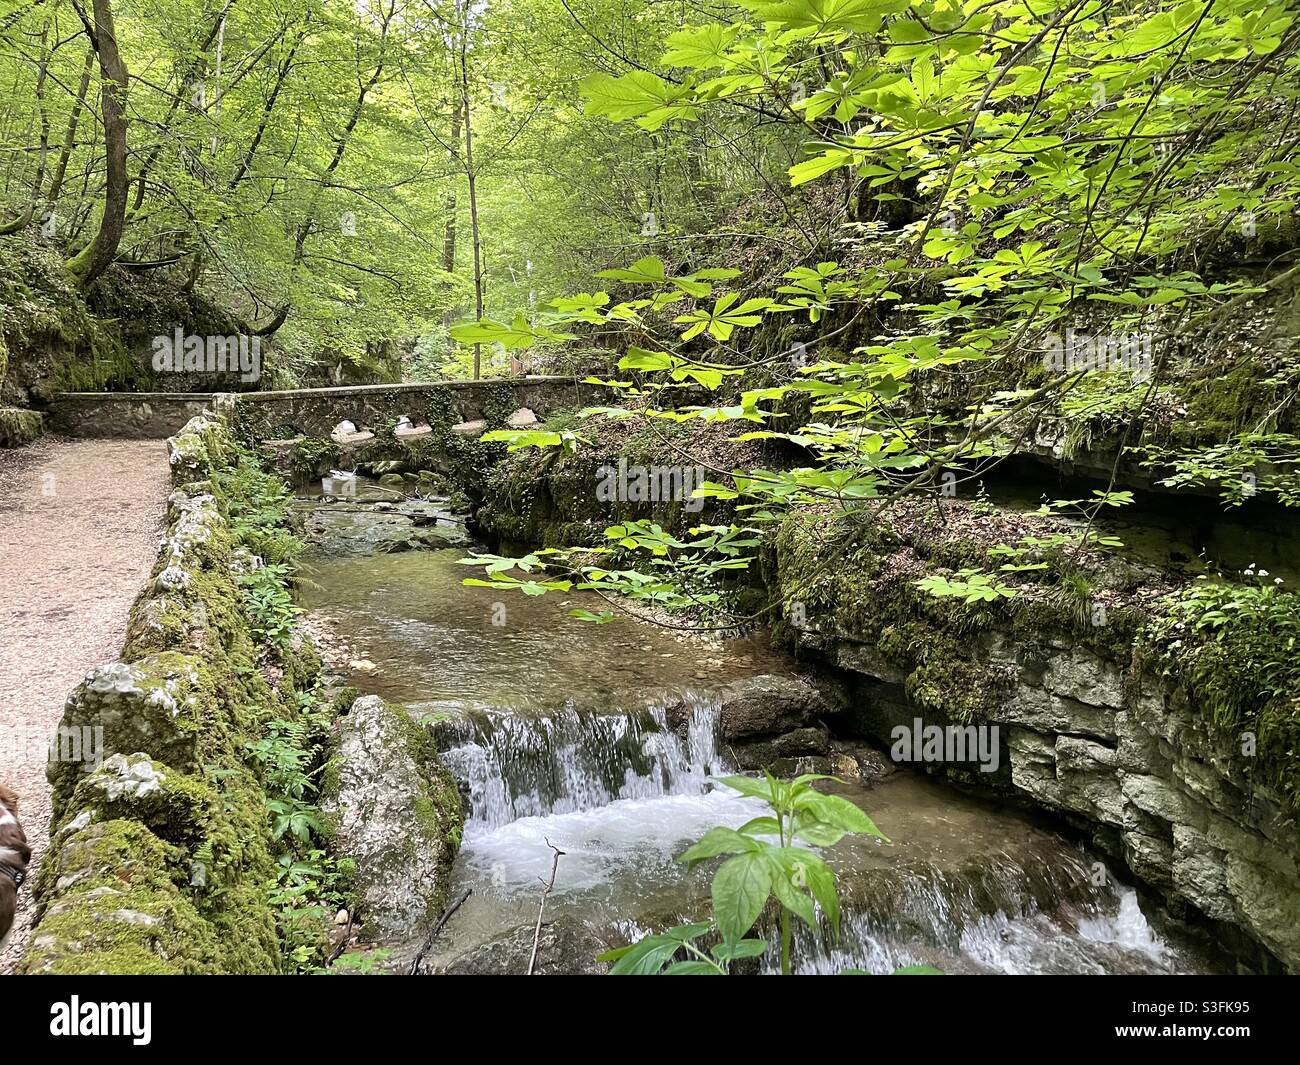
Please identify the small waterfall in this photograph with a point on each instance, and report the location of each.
(1034, 914)
(514, 765)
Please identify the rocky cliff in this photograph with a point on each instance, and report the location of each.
(1089, 717)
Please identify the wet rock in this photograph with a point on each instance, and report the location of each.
(351, 530)
(859, 763)
(1067, 773)
(398, 816)
(768, 704)
(763, 754)
(565, 948)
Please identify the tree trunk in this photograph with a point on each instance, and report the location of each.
(70, 137)
(449, 238)
(473, 194)
(95, 258)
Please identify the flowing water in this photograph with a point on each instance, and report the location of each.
(602, 741)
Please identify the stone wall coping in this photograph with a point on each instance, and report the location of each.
(323, 393)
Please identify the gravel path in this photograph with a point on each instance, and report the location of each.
(79, 528)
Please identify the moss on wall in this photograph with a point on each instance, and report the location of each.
(161, 858)
(858, 578)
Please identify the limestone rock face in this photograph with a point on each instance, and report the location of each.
(1137, 768)
(174, 807)
(398, 816)
(160, 704)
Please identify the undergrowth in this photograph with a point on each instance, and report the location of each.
(1236, 646)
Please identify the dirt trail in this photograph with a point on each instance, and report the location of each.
(79, 528)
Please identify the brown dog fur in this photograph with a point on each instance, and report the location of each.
(14, 854)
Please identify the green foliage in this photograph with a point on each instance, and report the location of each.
(1236, 647)
(970, 585)
(1240, 468)
(257, 505)
(638, 560)
(1034, 171)
(310, 883)
(270, 603)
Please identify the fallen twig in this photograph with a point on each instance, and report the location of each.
(428, 942)
(343, 943)
(547, 888)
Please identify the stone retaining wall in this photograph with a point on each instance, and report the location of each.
(311, 412)
(160, 854)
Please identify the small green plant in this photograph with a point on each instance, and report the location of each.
(763, 861)
(310, 883)
(1246, 465)
(257, 504)
(969, 585)
(270, 603)
(359, 963)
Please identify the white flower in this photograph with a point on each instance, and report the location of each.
(1263, 573)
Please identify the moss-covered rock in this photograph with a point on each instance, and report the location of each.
(175, 807)
(19, 426)
(398, 817)
(116, 906)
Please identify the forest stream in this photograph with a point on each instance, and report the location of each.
(560, 733)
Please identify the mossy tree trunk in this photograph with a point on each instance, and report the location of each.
(96, 256)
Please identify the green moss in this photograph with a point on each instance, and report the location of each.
(175, 807)
(443, 815)
(312, 457)
(196, 691)
(1230, 652)
(859, 580)
(124, 912)
(1224, 402)
(19, 426)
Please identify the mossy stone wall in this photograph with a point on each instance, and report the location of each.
(160, 857)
